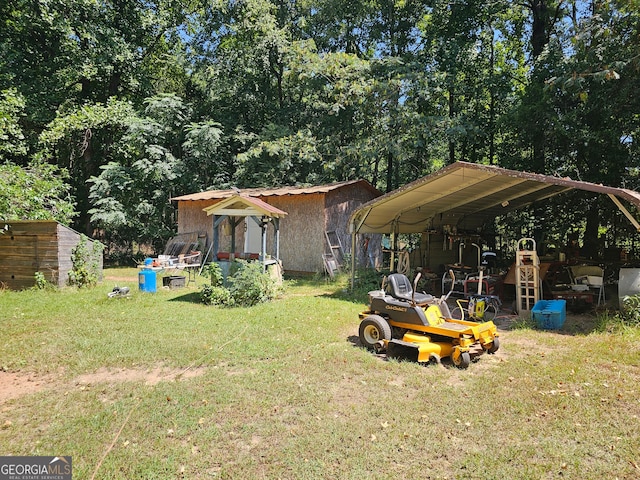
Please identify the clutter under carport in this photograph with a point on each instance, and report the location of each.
(450, 208)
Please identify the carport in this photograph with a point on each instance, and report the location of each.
(464, 196)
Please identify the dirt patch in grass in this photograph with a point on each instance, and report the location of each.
(150, 376)
(16, 384)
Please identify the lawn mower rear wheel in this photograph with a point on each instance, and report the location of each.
(374, 329)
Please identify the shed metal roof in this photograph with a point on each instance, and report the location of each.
(467, 195)
(279, 191)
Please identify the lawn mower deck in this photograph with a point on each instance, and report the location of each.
(418, 327)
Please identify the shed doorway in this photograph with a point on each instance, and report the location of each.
(253, 236)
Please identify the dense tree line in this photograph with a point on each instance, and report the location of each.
(115, 106)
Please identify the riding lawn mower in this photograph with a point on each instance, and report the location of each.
(417, 326)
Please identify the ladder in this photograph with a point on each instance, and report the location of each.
(335, 246)
(527, 275)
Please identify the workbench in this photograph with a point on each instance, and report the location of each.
(576, 301)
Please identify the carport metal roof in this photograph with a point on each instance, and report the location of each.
(467, 195)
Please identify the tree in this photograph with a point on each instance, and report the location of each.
(592, 136)
(37, 192)
(81, 140)
(157, 158)
(12, 141)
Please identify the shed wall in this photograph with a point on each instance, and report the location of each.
(193, 218)
(301, 232)
(37, 246)
(339, 205)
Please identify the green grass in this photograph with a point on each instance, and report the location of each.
(160, 386)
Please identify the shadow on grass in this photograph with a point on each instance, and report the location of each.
(575, 323)
(354, 340)
(353, 297)
(193, 297)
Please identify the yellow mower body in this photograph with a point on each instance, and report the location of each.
(423, 332)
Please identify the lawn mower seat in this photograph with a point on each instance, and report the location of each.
(399, 286)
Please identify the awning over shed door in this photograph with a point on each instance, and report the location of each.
(467, 195)
(241, 206)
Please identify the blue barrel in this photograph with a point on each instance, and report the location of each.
(147, 280)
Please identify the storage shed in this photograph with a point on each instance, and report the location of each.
(317, 220)
(30, 246)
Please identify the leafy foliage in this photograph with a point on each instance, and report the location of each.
(250, 285)
(143, 101)
(85, 271)
(247, 285)
(214, 271)
(12, 141)
(630, 312)
(41, 282)
(216, 295)
(131, 198)
(37, 192)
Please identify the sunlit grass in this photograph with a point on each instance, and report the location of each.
(281, 390)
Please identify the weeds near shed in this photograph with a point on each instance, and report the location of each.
(41, 282)
(86, 264)
(623, 321)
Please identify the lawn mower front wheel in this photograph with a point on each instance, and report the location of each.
(374, 329)
(493, 346)
(460, 359)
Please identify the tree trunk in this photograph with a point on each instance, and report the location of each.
(492, 101)
(452, 145)
(389, 171)
(539, 39)
(590, 243)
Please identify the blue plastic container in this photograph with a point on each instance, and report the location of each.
(550, 314)
(147, 278)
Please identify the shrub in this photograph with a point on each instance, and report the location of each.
(214, 271)
(250, 285)
(368, 279)
(216, 295)
(630, 311)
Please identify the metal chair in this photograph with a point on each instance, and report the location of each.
(596, 282)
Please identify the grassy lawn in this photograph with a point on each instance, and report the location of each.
(161, 386)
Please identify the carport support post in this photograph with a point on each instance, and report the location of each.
(354, 253)
(394, 245)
